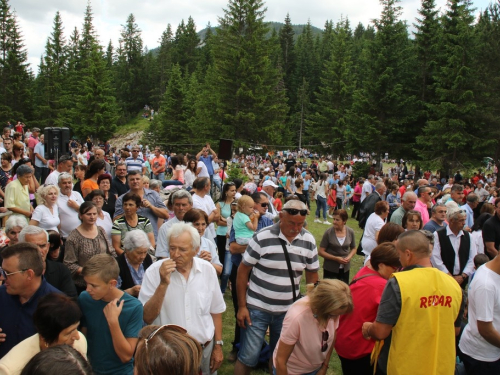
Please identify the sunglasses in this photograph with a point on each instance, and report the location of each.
(294, 211)
(324, 341)
(264, 204)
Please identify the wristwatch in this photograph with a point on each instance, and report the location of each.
(219, 342)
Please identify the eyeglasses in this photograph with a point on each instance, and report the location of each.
(294, 211)
(5, 274)
(173, 327)
(324, 341)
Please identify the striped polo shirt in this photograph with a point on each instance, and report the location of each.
(270, 289)
(134, 164)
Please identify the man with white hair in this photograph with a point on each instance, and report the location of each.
(184, 290)
(69, 202)
(454, 251)
(56, 274)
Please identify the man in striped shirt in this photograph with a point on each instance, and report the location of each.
(136, 163)
(270, 293)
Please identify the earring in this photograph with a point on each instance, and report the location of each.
(315, 316)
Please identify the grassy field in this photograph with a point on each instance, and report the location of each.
(228, 318)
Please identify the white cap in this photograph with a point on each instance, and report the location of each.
(269, 183)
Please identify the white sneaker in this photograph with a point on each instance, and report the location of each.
(326, 222)
(330, 216)
(317, 220)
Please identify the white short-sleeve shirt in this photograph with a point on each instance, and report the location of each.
(47, 220)
(67, 215)
(187, 303)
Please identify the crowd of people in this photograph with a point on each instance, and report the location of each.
(117, 262)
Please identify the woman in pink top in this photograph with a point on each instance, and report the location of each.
(366, 287)
(308, 334)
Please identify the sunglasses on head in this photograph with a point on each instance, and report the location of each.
(295, 211)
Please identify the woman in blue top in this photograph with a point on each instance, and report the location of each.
(224, 207)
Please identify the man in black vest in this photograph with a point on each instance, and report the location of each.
(454, 251)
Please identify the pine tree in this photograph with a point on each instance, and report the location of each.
(130, 75)
(287, 51)
(334, 97)
(247, 99)
(450, 137)
(171, 119)
(110, 57)
(186, 42)
(383, 107)
(487, 65)
(51, 77)
(16, 78)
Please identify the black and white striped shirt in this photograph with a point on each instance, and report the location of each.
(270, 289)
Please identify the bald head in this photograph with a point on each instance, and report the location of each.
(416, 242)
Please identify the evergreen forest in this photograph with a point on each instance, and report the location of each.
(428, 91)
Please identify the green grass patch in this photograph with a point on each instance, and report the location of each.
(136, 124)
(317, 230)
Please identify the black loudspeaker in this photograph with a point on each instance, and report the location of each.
(56, 142)
(225, 149)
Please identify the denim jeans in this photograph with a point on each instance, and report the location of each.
(252, 337)
(159, 176)
(320, 205)
(226, 272)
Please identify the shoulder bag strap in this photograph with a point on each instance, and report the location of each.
(362, 277)
(289, 265)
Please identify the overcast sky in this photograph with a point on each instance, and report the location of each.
(36, 16)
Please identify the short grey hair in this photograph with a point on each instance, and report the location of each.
(154, 184)
(135, 239)
(32, 230)
(409, 194)
(472, 198)
(379, 185)
(181, 194)
(23, 170)
(64, 176)
(179, 228)
(436, 206)
(295, 203)
(455, 214)
(15, 221)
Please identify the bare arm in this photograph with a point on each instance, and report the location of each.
(253, 223)
(116, 242)
(217, 356)
(235, 248)
(153, 306)
(124, 347)
(490, 249)
(241, 291)
(311, 277)
(284, 352)
(489, 333)
(376, 330)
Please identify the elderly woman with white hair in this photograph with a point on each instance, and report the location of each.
(134, 261)
(13, 227)
(17, 196)
(46, 214)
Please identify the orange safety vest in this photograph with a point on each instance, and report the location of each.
(423, 339)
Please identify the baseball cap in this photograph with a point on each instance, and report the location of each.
(269, 183)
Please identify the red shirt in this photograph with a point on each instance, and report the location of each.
(402, 190)
(366, 295)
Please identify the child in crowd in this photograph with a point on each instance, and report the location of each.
(111, 319)
(245, 221)
(278, 201)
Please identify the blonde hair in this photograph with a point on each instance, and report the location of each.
(170, 351)
(244, 200)
(43, 191)
(329, 297)
(145, 179)
(102, 265)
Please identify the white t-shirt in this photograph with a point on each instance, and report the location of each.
(367, 190)
(106, 224)
(477, 238)
(373, 225)
(484, 305)
(206, 204)
(69, 216)
(204, 170)
(52, 178)
(46, 219)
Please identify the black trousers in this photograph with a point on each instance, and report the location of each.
(221, 248)
(234, 297)
(355, 208)
(360, 366)
(342, 275)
